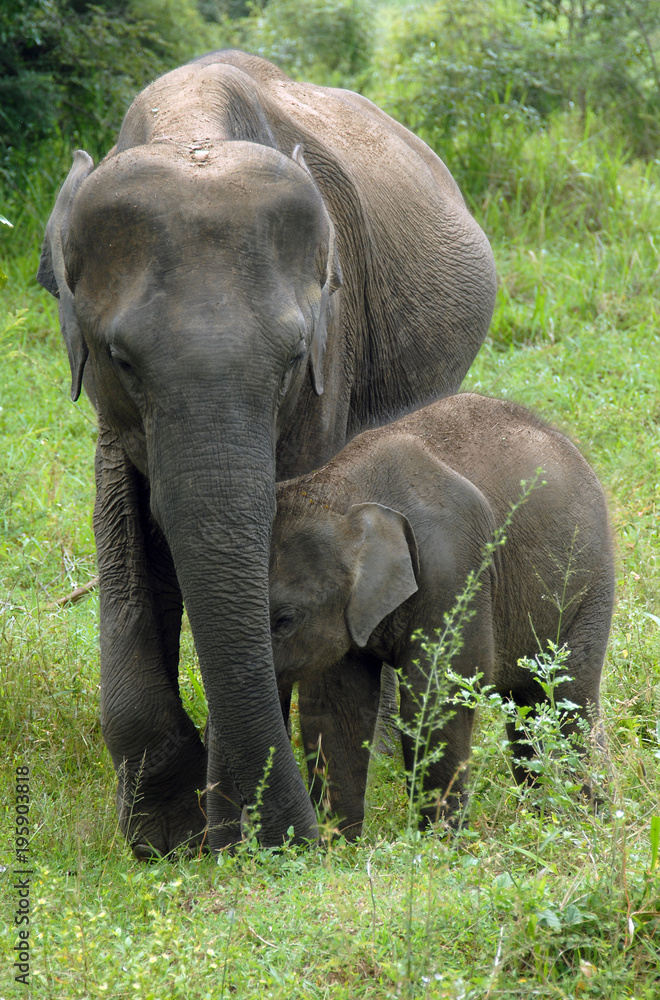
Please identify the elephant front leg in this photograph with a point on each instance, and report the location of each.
(436, 735)
(155, 747)
(338, 712)
(436, 760)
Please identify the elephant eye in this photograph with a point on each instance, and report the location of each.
(284, 622)
(119, 360)
(286, 380)
(291, 367)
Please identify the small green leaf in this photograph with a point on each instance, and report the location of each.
(567, 706)
(548, 918)
(655, 840)
(654, 618)
(573, 915)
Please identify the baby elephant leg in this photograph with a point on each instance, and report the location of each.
(587, 640)
(436, 759)
(583, 667)
(338, 712)
(529, 744)
(520, 736)
(436, 736)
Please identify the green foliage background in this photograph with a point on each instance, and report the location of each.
(547, 113)
(471, 79)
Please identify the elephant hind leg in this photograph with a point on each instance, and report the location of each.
(580, 725)
(587, 640)
(531, 748)
(521, 739)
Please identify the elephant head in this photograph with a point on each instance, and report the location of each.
(194, 287)
(55, 275)
(333, 578)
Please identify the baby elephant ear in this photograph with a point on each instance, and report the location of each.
(385, 570)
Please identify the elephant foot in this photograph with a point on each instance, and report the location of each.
(448, 813)
(159, 823)
(350, 829)
(177, 827)
(146, 852)
(225, 831)
(227, 816)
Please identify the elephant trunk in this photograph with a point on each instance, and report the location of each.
(214, 499)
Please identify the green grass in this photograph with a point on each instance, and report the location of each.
(527, 902)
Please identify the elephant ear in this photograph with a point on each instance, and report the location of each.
(386, 567)
(333, 280)
(52, 269)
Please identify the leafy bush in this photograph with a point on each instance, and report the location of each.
(608, 57)
(327, 41)
(71, 68)
(217, 10)
(469, 80)
(475, 80)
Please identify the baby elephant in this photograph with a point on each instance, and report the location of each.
(378, 544)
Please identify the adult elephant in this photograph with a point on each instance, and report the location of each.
(237, 310)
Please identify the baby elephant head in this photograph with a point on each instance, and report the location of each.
(334, 578)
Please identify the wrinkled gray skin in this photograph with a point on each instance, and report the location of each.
(237, 309)
(379, 543)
